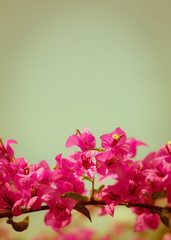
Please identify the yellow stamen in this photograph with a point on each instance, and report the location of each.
(55, 167)
(115, 136)
(169, 142)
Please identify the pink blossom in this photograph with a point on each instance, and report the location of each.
(29, 185)
(59, 214)
(81, 163)
(157, 176)
(148, 160)
(42, 171)
(128, 189)
(5, 150)
(85, 141)
(117, 137)
(110, 162)
(133, 143)
(66, 183)
(23, 185)
(11, 199)
(165, 153)
(147, 220)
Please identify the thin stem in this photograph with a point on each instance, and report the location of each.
(98, 149)
(92, 194)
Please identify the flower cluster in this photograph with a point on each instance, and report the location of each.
(136, 184)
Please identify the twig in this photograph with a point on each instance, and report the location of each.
(8, 213)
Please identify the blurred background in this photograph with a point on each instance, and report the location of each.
(69, 64)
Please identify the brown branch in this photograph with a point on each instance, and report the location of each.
(8, 213)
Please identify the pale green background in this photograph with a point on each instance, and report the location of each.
(70, 64)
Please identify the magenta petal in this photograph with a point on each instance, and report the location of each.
(35, 203)
(152, 220)
(16, 211)
(72, 141)
(3, 204)
(91, 172)
(110, 209)
(140, 225)
(56, 222)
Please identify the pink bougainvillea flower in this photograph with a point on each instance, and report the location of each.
(134, 183)
(59, 214)
(42, 171)
(34, 178)
(102, 211)
(17, 166)
(147, 220)
(28, 186)
(58, 218)
(81, 163)
(111, 196)
(8, 169)
(128, 189)
(4, 173)
(110, 162)
(117, 137)
(133, 143)
(164, 152)
(40, 194)
(62, 167)
(11, 199)
(148, 160)
(84, 140)
(65, 183)
(33, 193)
(157, 176)
(5, 150)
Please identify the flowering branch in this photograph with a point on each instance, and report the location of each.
(136, 184)
(8, 213)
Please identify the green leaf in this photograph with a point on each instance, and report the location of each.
(74, 195)
(157, 195)
(83, 210)
(164, 217)
(19, 226)
(96, 191)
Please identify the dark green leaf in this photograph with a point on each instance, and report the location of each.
(82, 209)
(157, 195)
(74, 195)
(164, 217)
(19, 226)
